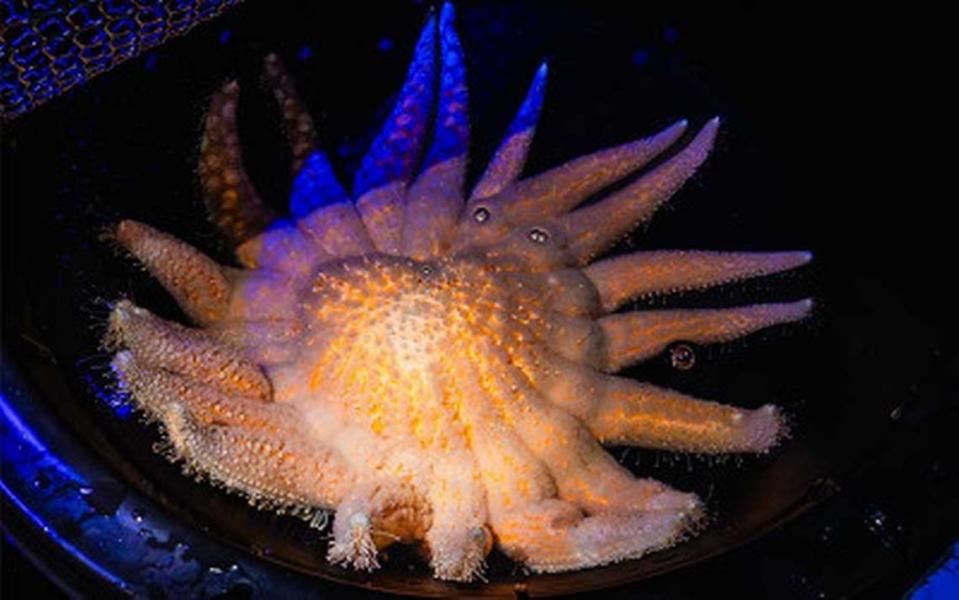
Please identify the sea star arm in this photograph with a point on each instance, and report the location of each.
(458, 539)
(584, 473)
(191, 352)
(563, 188)
(255, 447)
(634, 336)
(232, 202)
(435, 199)
(510, 157)
(380, 183)
(552, 535)
(535, 201)
(353, 543)
(265, 341)
(551, 488)
(371, 516)
(154, 388)
(633, 413)
(544, 532)
(640, 274)
(594, 228)
(199, 285)
(297, 122)
(617, 410)
(327, 223)
(315, 183)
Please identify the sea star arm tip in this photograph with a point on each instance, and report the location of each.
(635, 336)
(199, 284)
(232, 201)
(641, 274)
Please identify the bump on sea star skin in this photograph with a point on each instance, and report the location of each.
(435, 370)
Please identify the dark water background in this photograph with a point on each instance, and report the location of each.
(810, 156)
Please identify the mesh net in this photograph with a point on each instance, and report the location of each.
(49, 46)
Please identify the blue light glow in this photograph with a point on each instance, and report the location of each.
(451, 132)
(305, 52)
(315, 186)
(943, 584)
(640, 57)
(25, 457)
(392, 157)
(528, 114)
(51, 46)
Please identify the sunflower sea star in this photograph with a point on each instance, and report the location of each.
(433, 366)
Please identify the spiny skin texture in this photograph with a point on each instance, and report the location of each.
(436, 367)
